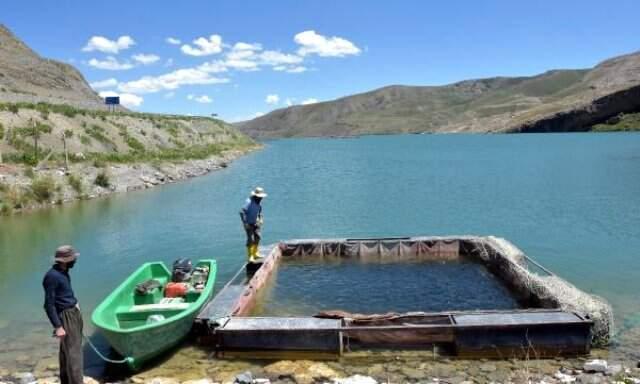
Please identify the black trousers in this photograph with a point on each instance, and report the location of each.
(253, 234)
(71, 364)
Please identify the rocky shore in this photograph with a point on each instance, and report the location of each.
(401, 367)
(82, 182)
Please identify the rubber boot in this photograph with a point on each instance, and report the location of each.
(255, 257)
(250, 253)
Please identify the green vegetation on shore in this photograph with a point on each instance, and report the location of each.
(119, 137)
(71, 111)
(621, 123)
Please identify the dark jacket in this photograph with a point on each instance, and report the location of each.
(58, 294)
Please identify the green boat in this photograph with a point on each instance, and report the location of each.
(142, 326)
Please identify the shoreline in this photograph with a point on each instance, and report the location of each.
(198, 367)
(121, 178)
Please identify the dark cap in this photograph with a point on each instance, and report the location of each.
(66, 254)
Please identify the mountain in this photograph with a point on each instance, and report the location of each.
(557, 100)
(27, 77)
(48, 99)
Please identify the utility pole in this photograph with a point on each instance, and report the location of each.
(35, 138)
(66, 155)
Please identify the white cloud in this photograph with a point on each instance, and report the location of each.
(296, 69)
(169, 62)
(272, 99)
(240, 46)
(111, 64)
(169, 95)
(258, 114)
(213, 67)
(204, 99)
(102, 44)
(242, 65)
(107, 83)
(126, 99)
(279, 58)
(170, 81)
(240, 55)
(204, 46)
(308, 101)
(314, 43)
(145, 59)
(173, 41)
(289, 102)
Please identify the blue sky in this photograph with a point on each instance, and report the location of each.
(302, 51)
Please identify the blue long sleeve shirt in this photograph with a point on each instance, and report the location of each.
(58, 294)
(251, 212)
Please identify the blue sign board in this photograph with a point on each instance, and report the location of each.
(112, 100)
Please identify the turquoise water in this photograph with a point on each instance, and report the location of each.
(306, 288)
(572, 201)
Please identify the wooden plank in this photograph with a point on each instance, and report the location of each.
(222, 304)
(275, 334)
(280, 324)
(516, 318)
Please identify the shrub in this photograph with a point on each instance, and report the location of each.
(102, 180)
(134, 144)
(13, 108)
(15, 198)
(97, 132)
(1, 131)
(28, 172)
(43, 188)
(76, 183)
(99, 163)
(68, 133)
(86, 140)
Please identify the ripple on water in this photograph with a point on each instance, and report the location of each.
(305, 288)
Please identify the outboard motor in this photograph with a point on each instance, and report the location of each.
(182, 269)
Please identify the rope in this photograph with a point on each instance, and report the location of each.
(103, 357)
(538, 265)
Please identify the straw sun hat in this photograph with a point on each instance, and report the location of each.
(258, 192)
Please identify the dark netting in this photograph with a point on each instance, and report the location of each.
(504, 259)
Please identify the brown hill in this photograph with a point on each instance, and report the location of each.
(42, 101)
(25, 76)
(559, 100)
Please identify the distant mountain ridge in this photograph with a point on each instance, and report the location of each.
(557, 100)
(25, 76)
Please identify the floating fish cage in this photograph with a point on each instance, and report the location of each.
(468, 296)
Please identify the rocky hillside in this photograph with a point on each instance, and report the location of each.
(48, 104)
(58, 143)
(27, 77)
(559, 100)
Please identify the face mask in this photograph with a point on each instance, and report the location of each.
(71, 264)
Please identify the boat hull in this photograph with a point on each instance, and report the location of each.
(136, 340)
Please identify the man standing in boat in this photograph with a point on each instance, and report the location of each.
(251, 216)
(63, 312)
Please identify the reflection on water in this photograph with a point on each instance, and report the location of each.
(306, 288)
(571, 201)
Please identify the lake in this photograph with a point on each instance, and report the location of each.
(571, 201)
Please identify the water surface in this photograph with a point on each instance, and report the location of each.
(572, 201)
(305, 288)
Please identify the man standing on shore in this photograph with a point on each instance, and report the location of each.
(63, 312)
(251, 216)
